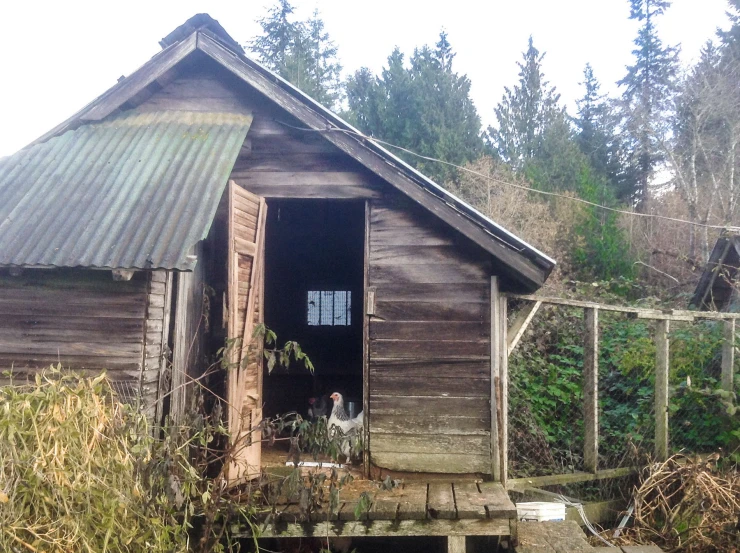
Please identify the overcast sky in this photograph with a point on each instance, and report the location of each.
(55, 57)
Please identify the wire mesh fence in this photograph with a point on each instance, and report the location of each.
(548, 422)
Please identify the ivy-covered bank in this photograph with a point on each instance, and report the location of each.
(546, 390)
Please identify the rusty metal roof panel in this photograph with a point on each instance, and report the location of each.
(135, 191)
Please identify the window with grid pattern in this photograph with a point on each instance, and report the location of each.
(329, 308)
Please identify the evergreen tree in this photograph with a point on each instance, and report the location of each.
(525, 112)
(598, 139)
(301, 52)
(648, 88)
(424, 106)
(278, 36)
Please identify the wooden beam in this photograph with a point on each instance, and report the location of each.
(369, 309)
(728, 355)
(455, 544)
(164, 376)
(520, 324)
(640, 312)
(495, 372)
(503, 390)
(516, 484)
(662, 357)
(591, 390)
(375, 528)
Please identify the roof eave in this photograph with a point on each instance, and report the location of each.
(532, 269)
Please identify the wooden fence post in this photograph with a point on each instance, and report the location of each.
(661, 389)
(495, 371)
(728, 355)
(591, 390)
(503, 387)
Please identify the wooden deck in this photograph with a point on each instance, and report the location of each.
(411, 509)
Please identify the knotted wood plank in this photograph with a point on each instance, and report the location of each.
(441, 501)
(469, 501)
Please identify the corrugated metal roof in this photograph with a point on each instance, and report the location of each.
(135, 191)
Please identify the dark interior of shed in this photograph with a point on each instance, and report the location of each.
(314, 280)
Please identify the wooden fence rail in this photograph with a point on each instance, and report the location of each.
(591, 367)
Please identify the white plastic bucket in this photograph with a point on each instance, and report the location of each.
(540, 511)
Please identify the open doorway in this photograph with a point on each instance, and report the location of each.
(314, 291)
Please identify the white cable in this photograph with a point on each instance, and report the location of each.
(511, 184)
(579, 507)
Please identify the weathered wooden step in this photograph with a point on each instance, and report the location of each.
(552, 537)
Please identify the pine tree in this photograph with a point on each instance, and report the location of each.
(424, 107)
(278, 36)
(648, 88)
(598, 139)
(301, 52)
(525, 112)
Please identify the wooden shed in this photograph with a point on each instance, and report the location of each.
(217, 195)
(717, 289)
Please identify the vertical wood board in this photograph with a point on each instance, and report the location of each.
(591, 390)
(661, 389)
(245, 275)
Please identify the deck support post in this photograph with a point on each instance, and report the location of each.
(728, 355)
(455, 544)
(591, 390)
(661, 389)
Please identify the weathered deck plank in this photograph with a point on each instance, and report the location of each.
(497, 501)
(469, 501)
(410, 509)
(413, 503)
(441, 503)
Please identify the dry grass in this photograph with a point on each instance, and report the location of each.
(71, 461)
(686, 506)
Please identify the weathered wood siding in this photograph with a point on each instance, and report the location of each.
(429, 362)
(188, 330)
(277, 163)
(86, 321)
(429, 341)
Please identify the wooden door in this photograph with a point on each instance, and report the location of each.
(245, 298)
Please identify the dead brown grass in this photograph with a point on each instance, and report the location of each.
(683, 505)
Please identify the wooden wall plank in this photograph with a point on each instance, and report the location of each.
(471, 407)
(442, 423)
(433, 273)
(442, 311)
(462, 367)
(429, 386)
(428, 349)
(425, 443)
(450, 463)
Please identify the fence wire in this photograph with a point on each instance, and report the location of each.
(546, 416)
